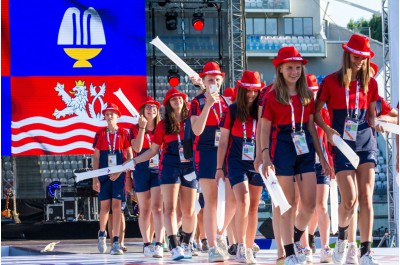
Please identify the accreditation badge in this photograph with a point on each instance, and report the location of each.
(154, 161)
(112, 160)
(182, 156)
(248, 151)
(350, 129)
(217, 137)
(300, 143)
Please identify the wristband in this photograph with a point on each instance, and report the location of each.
(220, 168)
(266, 148)
(142, 128)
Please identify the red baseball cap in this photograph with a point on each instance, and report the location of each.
(251, 81)
(211, 68)
(149, 100)
(312, 82)
(173, 92)
(112, 107)
(358, 45)
(288, 54)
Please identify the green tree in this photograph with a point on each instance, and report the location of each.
(375, 24)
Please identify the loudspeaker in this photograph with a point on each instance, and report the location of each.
(69, 208)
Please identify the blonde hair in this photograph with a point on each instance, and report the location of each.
(282, 93)
(345, 73)
(156, 119)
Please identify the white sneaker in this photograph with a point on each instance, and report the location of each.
(250, 257)
(193, 249)
(352, 254)
(223, 246)
(292, 260)
(241, 254)
(102, 242)
(215, 255)
(299, 250)
(326, 255)
(187, 252)
(339, 251)
(255, 248)
(367, 259)
(148, 251)
(177, 253)
(158, 252)
(308, 253)
(116, 249)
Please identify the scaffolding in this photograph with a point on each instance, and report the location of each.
(236, 39)
(392, 226)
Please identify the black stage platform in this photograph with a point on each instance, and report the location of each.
(60, 230)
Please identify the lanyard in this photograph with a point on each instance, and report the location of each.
(293, 120)
(148, 139)
(356, 103)
(179, 140)
(253, 132)
(111, 149)
(215, 112)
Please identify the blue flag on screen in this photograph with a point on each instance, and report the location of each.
(62, 61)
(49, 37)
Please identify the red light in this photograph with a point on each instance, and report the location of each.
(198, 25)
(198, 21)
(174, 81)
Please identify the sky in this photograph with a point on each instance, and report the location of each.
(341, 13)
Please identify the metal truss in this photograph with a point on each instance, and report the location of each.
(236, 39)
(392, 229)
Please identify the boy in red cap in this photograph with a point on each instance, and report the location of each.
(350, 95)
(111, 147)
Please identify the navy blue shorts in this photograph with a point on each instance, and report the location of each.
(255, 178)
(321, 179)
(112, 189)
(145, 179)
(123, 205)
(201, 200)
(342, 163)
(238, 176)
(205, 164)
(288, 163)
(175, 174)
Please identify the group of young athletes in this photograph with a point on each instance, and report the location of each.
(285, 128)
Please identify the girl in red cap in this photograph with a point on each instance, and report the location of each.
(111, 147)
(321, 215)
(205, 115)
(288, 117)
(385, 113)
(177, 176)
(237, 148)
(350, 95)
(147, 183)
(257, 162)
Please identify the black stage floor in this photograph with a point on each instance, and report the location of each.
(59, 230)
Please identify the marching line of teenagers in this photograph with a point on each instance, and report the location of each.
(274, 126)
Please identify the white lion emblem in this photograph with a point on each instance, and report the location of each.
(77, 105)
